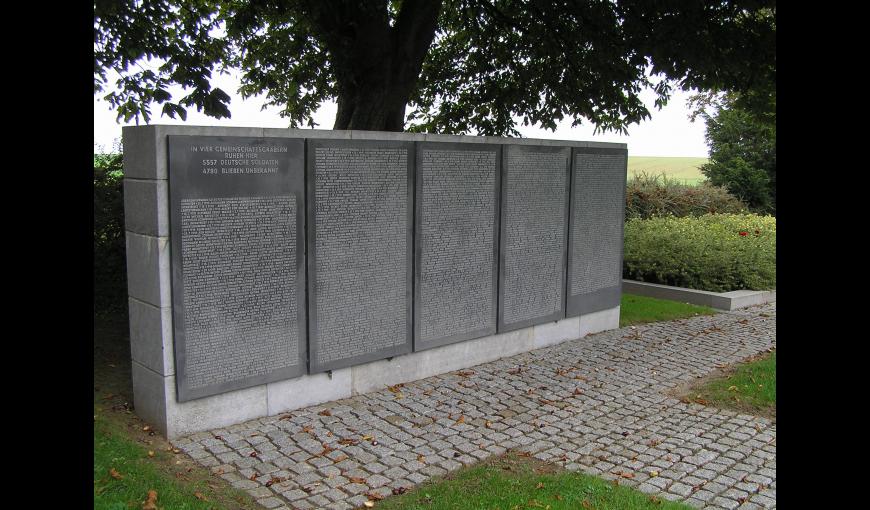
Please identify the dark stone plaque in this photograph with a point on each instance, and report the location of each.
(596, 230)
(237, 230)
(534, 231)
(457, 242)
(360, 199)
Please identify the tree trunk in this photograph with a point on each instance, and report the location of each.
(376, 65)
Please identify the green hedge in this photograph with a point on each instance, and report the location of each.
(713, 252)
(648, 196)
(110, 260)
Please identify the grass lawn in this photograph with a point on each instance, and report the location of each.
(640, 309)
(130, 460)
(513, 481)
(686, 170)
(749, 387)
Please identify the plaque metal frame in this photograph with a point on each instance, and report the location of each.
(608, 297)
(555, 316)
(184, 184)
(420, 345)
(404, 348)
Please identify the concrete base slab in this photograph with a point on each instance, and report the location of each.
(438, 360)
(719, 300)
(597, 322)
(308, 390)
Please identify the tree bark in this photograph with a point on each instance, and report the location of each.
(376, 65)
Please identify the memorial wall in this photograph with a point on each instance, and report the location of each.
(260, 258)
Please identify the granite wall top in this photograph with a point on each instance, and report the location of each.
(162, 129)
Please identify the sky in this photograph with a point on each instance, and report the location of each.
(668, 133)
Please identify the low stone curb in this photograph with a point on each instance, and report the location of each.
(727, 301)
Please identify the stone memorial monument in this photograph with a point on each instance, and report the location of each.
(272, 269)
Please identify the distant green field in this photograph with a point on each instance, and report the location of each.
(684, 169)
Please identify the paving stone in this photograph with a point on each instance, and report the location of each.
(318, 501)
(723, 502)
(260, 492)
(376, 481)
(270, 502)
(294, 494)
(357, 500)
(335, 495)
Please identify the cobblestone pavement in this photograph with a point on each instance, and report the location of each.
(595, 404)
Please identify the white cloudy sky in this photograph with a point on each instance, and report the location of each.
(668, 133)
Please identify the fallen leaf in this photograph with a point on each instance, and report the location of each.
(151, 453)
(587, 504)
(540, 485)
(253, 476)
(325, 412)
(421, 458)
(339, 458)
(578, 391)
(116, 475)
(286, 417)
(653, 474)
(374, 496)
(348, 441)
(399, 490)
(464, 373)
(356, 479)
(199, 496)
(151, 502)
(146, 428)
(488, 424)
(369, 504)
(307, 430)
(461, 419)
(367, 437)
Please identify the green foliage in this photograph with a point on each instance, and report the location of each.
(463, 65)
(110, 262)
(742, 155)
(649, 195)
(642, 309)
(714, 252)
